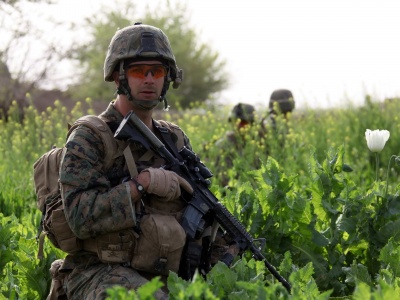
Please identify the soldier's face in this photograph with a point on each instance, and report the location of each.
(146, 79)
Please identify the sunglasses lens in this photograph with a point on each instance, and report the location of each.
(159, 71)
(141, 71)
(136, 71)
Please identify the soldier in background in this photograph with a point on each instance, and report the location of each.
(274, 127)
(282, 103)
(241, 115)
(233, 143)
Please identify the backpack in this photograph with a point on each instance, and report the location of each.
(46, 179)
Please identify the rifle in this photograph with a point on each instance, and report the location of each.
(202, 205)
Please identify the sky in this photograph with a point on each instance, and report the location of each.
(328, 53)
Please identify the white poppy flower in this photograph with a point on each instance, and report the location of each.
(376, 139)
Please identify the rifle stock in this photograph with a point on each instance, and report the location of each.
(202, 204)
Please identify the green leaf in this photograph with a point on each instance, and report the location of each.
(303, 283)
(176, 285)
(148, 290)
(223, 276)
(318, 238)
(389, 230)
(362, 292)
(390, 256)
(347, 168)
(357, 273)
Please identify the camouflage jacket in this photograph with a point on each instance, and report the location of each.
(96, 201)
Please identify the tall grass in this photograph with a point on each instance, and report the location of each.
(307, 133)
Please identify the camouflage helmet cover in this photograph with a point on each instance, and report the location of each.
(285, 100)
(140, 41)
(242, 111)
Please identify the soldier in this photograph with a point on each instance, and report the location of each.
(128, 225)
(280, 102)
(232, 144)
(241, 115)
(244, 113)
(274, 127)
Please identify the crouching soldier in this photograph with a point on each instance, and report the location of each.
(125, 209)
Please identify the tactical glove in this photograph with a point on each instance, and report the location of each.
(166, 184)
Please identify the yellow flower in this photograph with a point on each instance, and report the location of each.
(376, 139)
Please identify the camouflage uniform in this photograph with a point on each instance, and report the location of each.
(233, 142)
(97, 203)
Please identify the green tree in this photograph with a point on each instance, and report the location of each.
(204, 73)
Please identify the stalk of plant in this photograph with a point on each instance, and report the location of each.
(397, 160)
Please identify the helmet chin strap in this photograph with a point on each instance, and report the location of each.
(124, 89)
(163, 96)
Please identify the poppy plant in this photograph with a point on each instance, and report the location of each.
(376, 139)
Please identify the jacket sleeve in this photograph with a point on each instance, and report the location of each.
(92, 206)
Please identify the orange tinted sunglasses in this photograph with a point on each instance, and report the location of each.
(141, 71)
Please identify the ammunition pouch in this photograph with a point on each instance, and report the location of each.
(160, 244)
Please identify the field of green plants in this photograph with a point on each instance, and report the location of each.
(328, 208)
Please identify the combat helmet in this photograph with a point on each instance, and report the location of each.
(141, 42)
(242, 111)
(285, 101)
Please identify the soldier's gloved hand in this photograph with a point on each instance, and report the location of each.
(166, 184)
